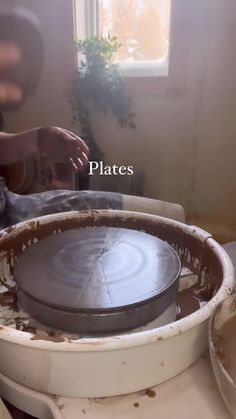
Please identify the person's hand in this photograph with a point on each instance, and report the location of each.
(10, 57)
(63, 146)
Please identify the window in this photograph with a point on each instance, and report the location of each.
(142, 27)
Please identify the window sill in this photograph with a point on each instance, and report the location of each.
(146, 69)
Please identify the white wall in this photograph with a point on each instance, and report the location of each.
(186, 123)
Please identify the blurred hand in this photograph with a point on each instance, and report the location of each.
(10, 57)
(63, 146)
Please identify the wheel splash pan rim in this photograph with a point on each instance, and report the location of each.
(17, 238)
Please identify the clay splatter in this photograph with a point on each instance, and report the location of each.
(150, 393)
(56, 339)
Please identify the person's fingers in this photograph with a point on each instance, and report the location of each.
(80, 143)
(78, 156)
(82, 157)
(10, 54)
(62, 145)
(79, 163)
(73, 164)
(10, 93)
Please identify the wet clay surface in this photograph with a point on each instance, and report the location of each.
(97, 268)
(190, 300)
(9, 299)
(98, 279)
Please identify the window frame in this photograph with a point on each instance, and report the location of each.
(88, 26)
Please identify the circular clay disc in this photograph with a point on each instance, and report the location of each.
(97, 268)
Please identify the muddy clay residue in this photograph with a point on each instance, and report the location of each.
(197, 256)
(225, 346)
(55, 339)
(150, 393)
(189, 300)
(25, 327)
(9, 299)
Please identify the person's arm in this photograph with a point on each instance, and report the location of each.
(16, 147)
(57, 143)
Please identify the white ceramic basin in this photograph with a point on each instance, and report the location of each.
(220, 357)
(115, 365)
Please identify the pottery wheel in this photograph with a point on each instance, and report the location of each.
(89, 278)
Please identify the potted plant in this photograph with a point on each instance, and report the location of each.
(98, 82)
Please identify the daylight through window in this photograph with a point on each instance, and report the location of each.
(141, 26)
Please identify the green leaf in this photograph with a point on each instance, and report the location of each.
(97, 81)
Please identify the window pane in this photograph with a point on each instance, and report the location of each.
(142, 27)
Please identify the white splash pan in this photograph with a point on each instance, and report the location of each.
(226, 384)
(115, 365)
